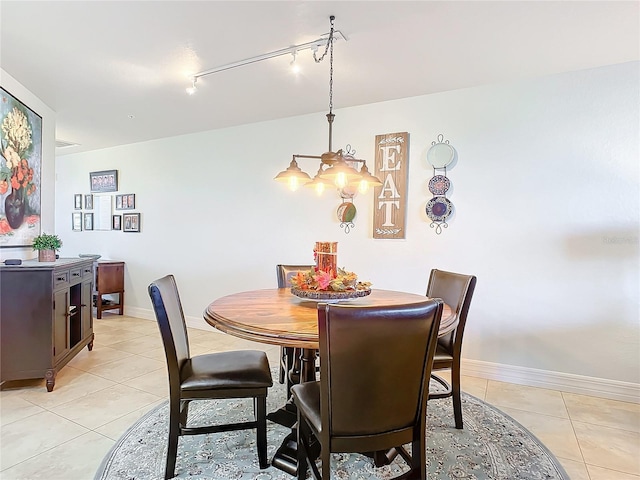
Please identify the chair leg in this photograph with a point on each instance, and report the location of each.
(261, 417)
(301, 453)
(418, 460)
(174, 434)
(455, 393)
(325, 454)
(418, 451)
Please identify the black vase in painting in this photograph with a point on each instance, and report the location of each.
(14, 208)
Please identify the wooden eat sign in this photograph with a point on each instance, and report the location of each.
(390, 200)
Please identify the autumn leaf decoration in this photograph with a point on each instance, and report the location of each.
(342, 281)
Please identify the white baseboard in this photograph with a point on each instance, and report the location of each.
(147, 314)
(565, 382)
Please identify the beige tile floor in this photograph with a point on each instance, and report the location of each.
(65, 434)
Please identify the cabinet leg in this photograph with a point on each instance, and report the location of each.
(50, 377)
(90, 344)
(121, 300)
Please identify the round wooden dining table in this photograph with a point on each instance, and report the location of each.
(275, 316)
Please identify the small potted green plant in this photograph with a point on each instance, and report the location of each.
(47, 244)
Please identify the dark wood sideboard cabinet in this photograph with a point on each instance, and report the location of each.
(45, 317)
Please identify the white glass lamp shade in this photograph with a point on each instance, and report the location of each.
(340, 174)
(366, 180)
(293, 176)
(318, 183)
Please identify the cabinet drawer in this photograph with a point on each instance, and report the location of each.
(75, 275)
(60, 279)
(87, 272)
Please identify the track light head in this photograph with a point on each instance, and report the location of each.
(192, 89)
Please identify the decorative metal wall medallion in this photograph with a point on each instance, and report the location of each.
(347, 192)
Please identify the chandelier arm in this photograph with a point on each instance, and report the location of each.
(318, 157)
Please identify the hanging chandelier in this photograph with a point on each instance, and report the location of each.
(337, 169)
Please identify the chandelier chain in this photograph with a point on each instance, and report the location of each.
(331, 72)
(328, 48)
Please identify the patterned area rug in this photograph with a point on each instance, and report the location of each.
(491, 446)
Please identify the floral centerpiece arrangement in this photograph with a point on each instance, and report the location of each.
(318, 280)
(326, 281)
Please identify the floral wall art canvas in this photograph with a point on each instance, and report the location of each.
(20, 172)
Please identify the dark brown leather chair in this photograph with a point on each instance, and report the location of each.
(456, 290)
(235, 374)
(375, 364)
(288, 355)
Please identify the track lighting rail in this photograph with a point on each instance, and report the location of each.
(313, 45)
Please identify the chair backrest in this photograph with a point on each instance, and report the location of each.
(173, 329)
(285, 272)
(456, 290)
(375, 367)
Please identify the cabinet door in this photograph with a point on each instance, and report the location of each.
(85, 306)
(60, 324)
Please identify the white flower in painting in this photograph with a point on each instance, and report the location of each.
(16, 130)
(12, 157)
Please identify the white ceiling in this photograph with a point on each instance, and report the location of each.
(99, 63)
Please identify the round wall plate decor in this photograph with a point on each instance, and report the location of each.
(346, 212)
(439, 208)
(439, 185)
(440, 155)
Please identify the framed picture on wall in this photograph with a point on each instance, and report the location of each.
(126, 201)
(116, 222)
(88, 221)
(77, 201)
(20, 172)
(76, 221)
(130, 222)
(88, 202)
(104, 181)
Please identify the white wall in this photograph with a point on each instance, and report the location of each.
(47, 219)
(546, 190)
